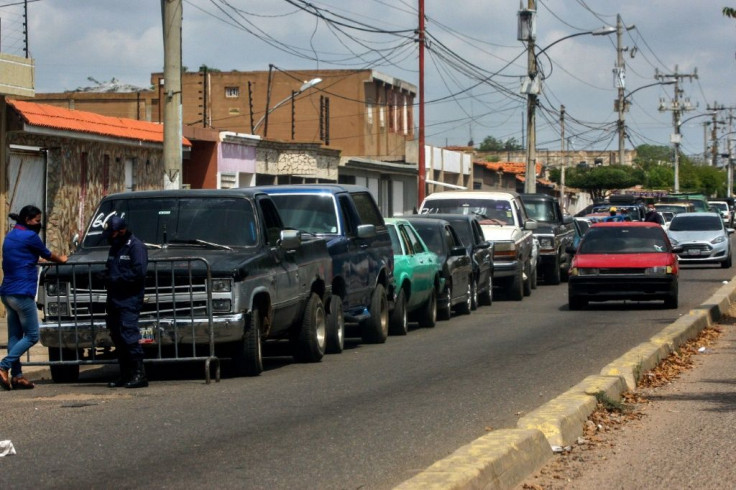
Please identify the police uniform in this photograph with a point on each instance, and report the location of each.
(125, 274)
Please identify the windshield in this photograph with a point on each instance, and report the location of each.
(223, 221)
(540, 211)
(313, 213)
(432, 236)
(696, 223)
(483, 208)
(616, 240)
(721, 206)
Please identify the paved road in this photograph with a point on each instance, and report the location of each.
(371, 417)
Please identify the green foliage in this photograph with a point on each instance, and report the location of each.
(493, 144)
(729, 12)
(597, 181)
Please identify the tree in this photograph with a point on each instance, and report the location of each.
(729, 12)
(493, 144)
(598, 180)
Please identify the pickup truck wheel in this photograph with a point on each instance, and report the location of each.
(335, 326)
(486, 297)
(552, 273)
(399, 323)
(516, 287)
(428, 315)
(535, 277)
(63, 374)
(310, 340)
(565, 271)
(374, 330)
(467, 305)
(528, 280)
(247, 355)
(473, 294)
(444, 308)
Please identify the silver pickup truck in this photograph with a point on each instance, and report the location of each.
(505, 222)
(223, 276)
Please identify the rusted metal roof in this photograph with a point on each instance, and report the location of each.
(52, 117)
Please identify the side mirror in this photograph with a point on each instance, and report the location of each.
(530, 225)
(290, 239)
(730, 231)
(458, 251)
(566, 219)
(482, 245)
(366, 231)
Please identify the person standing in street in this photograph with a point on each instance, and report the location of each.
(653, 216)
(22, 248)
(125, 273)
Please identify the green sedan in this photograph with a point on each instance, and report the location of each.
(417, 272)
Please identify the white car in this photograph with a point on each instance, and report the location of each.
(702, 238)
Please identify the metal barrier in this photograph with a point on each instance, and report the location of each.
(176, 319)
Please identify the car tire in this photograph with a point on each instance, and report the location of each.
(528, 280)
(466, 306)
(248, 353)
(335, 342)
(473, 294)
(535, 277)
(486, 296)
(565, 271)
(576, 303)
(726, 264)
(516, 287)
(310, 340)
(552, 273)
(672, 301)
(399, 323)
(444, 307)
(374, 330)
(428, 315)
(63, 373)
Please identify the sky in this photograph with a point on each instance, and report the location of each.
(474, 63)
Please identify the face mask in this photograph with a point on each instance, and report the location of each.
(36, 228)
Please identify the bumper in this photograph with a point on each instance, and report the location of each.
(635, 287)
(85, 335)
(703, 255)
(506, 268)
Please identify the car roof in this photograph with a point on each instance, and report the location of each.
(472, 195)
(312, 188)
(696, 214)
(426, 221)
(451, 217)
(179, 193)
(537, 197)
(627, 224)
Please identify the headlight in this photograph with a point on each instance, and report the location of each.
(55, 288)
(57, 309)
(546, 242)
(718, 239)
(657, 271)
(221, 305)
(222, 285)
(588, 271)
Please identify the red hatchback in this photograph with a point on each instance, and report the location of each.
(624, 260)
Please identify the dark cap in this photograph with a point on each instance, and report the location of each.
(115, 223)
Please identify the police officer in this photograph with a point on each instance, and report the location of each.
(125, 274)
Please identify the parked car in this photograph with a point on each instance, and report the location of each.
(554, 232)
(674, 207)
(702, 237)
(504, 222)
(481, 250)
(418, 277)
(723, 209)
(624, 261)
(216, 257)
(349, 219)
(580, 226)
(457, 268)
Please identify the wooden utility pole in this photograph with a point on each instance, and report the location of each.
(171, 14)
(421, 163)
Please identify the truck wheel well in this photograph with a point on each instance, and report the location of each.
(338, 286)
(263, 302)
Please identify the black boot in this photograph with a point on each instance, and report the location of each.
(125, 375)
(138, 380)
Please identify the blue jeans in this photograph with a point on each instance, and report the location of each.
(22, 330)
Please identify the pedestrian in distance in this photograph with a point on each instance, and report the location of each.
(22, 249)
(653, 216)
(125, 273)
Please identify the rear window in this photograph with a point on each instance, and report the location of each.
(540, 210)
(499, 209)
(696, 223)
(614, 240)
(313, 213)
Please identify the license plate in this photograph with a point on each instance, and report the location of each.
(693, 252)
(147, 335)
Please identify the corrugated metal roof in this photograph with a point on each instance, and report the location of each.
(48, 116)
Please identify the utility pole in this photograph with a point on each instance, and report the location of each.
(532, 90)
(421, 163)
(715, 108)
(677, 107)
(619, 77)
(562, 154)
(171, 15)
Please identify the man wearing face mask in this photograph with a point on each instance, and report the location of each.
(21, 250)
(125, 273)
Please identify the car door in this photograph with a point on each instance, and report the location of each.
(481, 254)
(425, 264)
(459, 265)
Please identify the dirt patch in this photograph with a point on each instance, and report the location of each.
(611, 418)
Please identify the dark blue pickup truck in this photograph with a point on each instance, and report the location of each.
(348, 217)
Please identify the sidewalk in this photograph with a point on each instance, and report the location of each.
(684, 440)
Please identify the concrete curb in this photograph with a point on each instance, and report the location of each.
(502, 459)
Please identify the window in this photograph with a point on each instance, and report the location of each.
(232, 92)
(367, 209)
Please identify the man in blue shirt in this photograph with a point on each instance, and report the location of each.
(22, 248)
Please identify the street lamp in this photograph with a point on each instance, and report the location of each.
(533, 85)
(305, 86)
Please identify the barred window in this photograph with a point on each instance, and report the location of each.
(232, 92)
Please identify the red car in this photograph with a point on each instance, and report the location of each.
(624, 260)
